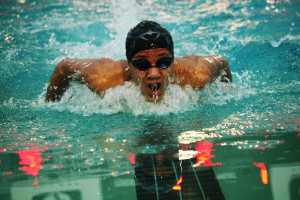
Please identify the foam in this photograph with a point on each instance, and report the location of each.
(123, 99)
(220, 93)
(128, 98)
(113, 47)
(283, 39)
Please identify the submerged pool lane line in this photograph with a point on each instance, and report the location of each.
(192, 182)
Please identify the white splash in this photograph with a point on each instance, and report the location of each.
(123, 99)
(220, 93)
(284, 38)
(128, 98)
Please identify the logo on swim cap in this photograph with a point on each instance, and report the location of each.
(147, 35)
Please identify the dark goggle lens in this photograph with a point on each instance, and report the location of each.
(143, 65)
(164, 63)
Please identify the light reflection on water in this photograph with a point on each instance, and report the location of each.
(92, 151)
(112, 156)
(234, 159)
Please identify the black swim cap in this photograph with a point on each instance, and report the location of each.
(148, 35)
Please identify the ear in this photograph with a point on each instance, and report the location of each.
(129, 68)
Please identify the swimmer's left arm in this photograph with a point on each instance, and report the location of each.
(197, 71)
(219, 67)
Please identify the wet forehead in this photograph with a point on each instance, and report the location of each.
(161, 52)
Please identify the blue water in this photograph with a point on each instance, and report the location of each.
(86, 138)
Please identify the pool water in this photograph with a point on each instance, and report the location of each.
(229, 141)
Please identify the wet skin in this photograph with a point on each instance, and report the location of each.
(102, 74)
(153, 81)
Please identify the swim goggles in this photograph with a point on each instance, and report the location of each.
(142, 64)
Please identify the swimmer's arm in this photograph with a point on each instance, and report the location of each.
(97, 74)
(62, 76)
(220, 67)
(197, 71)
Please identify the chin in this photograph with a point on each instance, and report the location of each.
(151, 99)
(150, 95)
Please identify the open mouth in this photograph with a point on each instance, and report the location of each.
(154, 86)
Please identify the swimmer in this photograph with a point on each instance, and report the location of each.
(150, 64)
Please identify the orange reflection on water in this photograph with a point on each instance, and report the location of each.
(131, 157)
(263, 172)
(31, 159)
(204, 150)
(177, 186)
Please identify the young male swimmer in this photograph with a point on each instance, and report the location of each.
(150, 64)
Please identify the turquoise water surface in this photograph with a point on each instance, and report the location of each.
(245, 135)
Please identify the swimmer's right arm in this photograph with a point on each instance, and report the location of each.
(97, 74)
(61, 78)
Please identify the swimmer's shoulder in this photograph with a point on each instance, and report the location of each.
(197, 71)
(108, 67)
(198, 61)
(191, 70)
(84, 63)
(95, 66)
(102, 74)
(190, 62)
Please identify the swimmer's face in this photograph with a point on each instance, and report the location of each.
(153, 81)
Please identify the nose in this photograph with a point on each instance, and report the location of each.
(153, 73)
